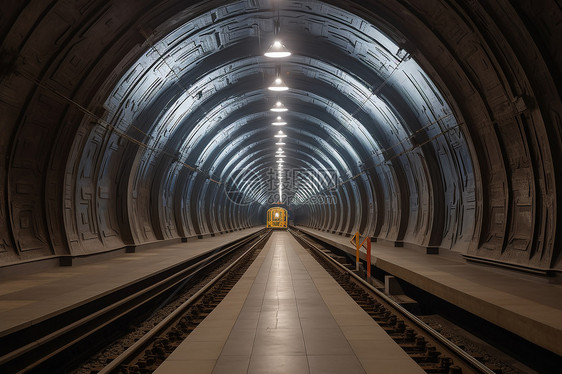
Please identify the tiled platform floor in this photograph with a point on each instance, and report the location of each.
(30, 298)
(287, 315)
(526, 305)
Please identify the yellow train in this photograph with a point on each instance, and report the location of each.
(277, 218)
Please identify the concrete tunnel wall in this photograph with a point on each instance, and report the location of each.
(430, 123)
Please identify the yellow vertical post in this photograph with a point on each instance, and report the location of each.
(357, 245)
(369, 258)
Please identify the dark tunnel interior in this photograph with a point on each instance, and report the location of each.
(433, 124)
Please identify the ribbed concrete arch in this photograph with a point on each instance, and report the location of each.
(260, 148)
(125, 122)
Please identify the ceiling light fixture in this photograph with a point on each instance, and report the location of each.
(279, 122)
(278, 85)
(280, 134)
(280, 143)
(279, 107)
(277, 50)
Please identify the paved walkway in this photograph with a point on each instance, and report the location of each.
(287, 315)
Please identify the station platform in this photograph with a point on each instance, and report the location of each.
(288, 315)
(527, 305)
(30, 298)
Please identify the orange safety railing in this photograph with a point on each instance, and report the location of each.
(358, 244)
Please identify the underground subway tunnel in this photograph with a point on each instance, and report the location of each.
(434, 125)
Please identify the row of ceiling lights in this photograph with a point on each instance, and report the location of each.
(278, 50)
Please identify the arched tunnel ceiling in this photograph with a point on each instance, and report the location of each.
(214, 60)
(435, 124)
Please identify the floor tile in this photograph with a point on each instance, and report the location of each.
(239, 343)
(323, 341)
(278, 342)
(278, 365)
(232, 365)
(335, 364)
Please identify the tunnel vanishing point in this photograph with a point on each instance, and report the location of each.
(434, 124)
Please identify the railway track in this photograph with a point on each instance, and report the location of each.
(146, 354)
(433, 352)
(59, 342)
